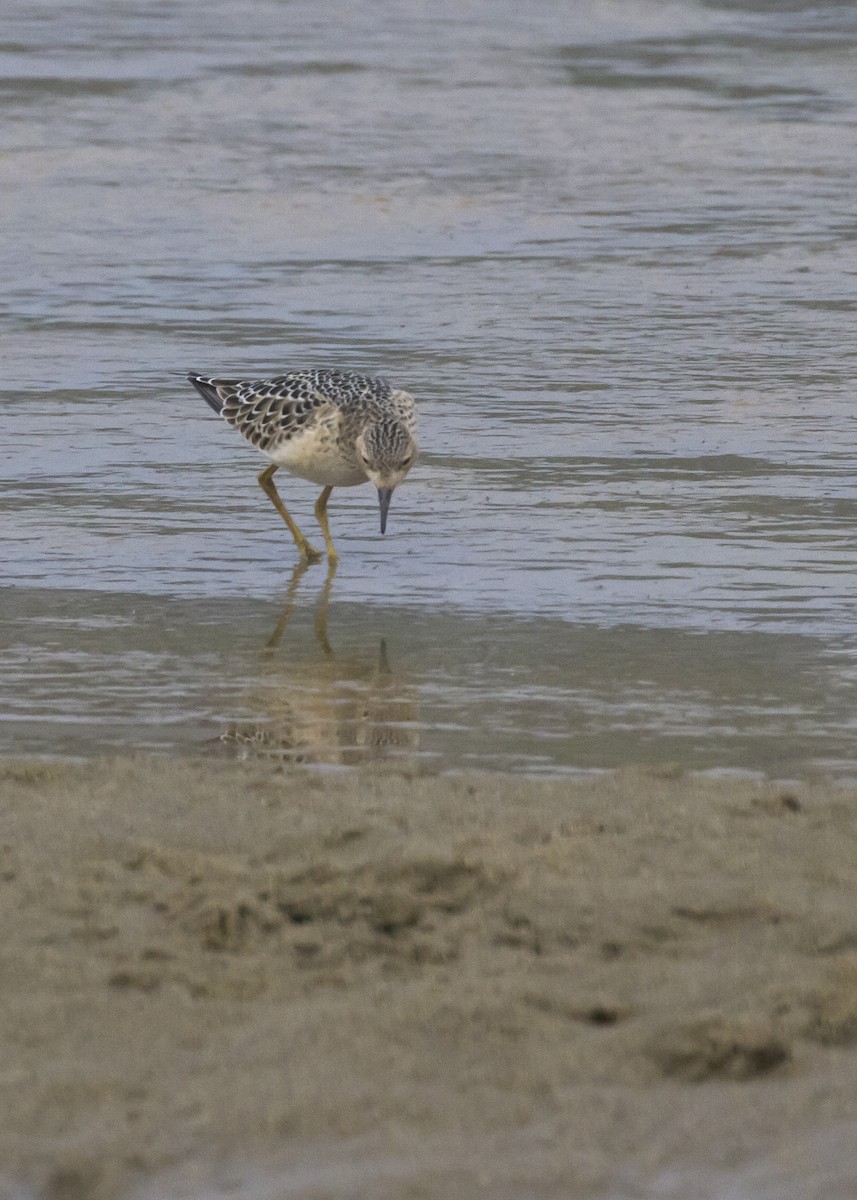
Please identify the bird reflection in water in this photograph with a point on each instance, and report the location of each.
(339, 709)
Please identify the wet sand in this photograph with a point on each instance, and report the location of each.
(255, 980)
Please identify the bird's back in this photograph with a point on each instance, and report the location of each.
(270, 411)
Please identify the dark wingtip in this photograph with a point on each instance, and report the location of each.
(207, 390)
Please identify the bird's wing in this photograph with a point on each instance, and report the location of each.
(265, 411)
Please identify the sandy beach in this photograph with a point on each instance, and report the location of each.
(253, 980)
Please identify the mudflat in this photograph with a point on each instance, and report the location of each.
(251, 979)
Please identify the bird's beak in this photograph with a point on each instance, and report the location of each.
(384, 495)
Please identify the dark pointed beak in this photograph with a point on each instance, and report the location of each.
(384, 495)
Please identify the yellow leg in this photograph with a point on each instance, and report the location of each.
(321, 516)
(266, 483)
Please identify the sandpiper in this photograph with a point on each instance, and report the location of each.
(334, 428)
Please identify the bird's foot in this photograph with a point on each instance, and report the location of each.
(309, 554)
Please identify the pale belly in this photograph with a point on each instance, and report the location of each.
(317, 459)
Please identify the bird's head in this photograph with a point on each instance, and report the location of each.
(387, 451)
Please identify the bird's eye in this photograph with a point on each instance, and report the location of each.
(407, 459)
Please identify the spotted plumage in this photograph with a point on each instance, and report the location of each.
(335, 428)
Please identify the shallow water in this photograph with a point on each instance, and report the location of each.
(815, 1165)
(610, 249)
